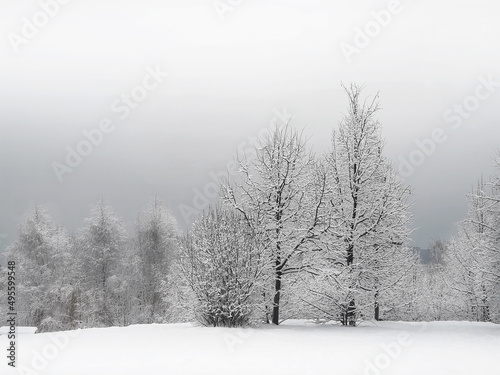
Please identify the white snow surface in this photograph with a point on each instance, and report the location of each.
(295, 347)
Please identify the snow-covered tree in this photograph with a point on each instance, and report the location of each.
(101, 248)
(474, 256)
(221, 259)
(44, 273)
(280, 192)
(431, 298)
(366, 262)
(156, 253)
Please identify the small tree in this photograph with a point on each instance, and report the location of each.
(222, 262)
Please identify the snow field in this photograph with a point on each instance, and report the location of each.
(295, 347)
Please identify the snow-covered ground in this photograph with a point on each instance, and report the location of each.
(296, 347)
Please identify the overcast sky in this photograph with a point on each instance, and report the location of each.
(178, 86)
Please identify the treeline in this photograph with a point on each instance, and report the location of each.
(464, 283)
(99, 277)
(295, 235)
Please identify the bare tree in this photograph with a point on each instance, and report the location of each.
(366, 254)
(281, 194)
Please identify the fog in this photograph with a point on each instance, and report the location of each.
(176, 87)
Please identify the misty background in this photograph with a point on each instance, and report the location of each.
(229, 73)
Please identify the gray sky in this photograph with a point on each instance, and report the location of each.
(233, 68)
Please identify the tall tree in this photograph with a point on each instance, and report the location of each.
(44, 273)
(280, 193)
(366, 256)
(156, 251)
(101, 248)
(474, 257)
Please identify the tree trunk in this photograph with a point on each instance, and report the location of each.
(351, 307)
(377, 308)
(350, 254)
(276, 302)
